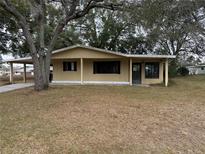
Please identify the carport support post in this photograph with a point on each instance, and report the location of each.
(130, 71)
(166, 72)
(11, 79)
(24, 73)
(81, 70)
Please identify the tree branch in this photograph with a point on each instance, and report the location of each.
(75, 15)
(41, 19)
(8, 6)
(73, 7)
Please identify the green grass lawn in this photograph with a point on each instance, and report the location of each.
(105, 119)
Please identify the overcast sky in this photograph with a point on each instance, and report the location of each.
(7, 56)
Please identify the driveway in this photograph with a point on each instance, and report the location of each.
(12, 87)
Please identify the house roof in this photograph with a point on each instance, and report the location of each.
(113, 52)
(29, 60)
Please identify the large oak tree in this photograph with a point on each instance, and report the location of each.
(34, 19)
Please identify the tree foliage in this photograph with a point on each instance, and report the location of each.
(41, 22)
(172, 24)
(157, 26)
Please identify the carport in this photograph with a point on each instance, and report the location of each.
(23, 61)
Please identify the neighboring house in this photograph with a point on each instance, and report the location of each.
(17, 70)
(29, 71)
(197, 69)
(89, 65)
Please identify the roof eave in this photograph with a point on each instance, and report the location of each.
(20, 60)
(153, 56)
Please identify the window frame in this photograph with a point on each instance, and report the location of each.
(98, 71)
(153, 65)
(70, 70)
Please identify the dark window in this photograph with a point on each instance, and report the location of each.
(106, 67)
(202, 68)
(152, 70)
(69, 66)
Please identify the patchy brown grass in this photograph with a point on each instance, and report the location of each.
(17, 79)
(105, 119)
(3, 82)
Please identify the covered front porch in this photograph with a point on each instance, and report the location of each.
(148, 71)
(131, 71)
(88, 65)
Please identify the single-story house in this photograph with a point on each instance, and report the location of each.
(196, 69)
(88, 65)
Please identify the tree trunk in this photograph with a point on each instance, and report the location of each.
(46, 70)
(41, 72)
(38, 78)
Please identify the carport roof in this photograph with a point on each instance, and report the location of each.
(27, 60)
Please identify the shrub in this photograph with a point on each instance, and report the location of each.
(173, 69)
(183, 71)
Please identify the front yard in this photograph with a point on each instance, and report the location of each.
(105, 119)
(17, 79)
(3, 83)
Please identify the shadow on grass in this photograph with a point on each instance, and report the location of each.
(172, 82)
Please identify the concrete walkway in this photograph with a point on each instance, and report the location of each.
(12, 87)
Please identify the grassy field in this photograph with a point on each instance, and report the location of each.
(105, 119)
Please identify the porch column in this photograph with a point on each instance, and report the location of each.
(11, 79)
(166, 72)
(81, 70)
(24, 73)
(130, 71)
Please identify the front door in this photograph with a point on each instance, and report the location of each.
(136, 73)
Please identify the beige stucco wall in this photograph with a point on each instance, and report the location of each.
(60, 75)
(152, 81)
(122, 77)
(89, 56)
